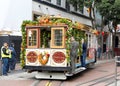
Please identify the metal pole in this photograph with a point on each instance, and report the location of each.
(0, 67)
(115, 72)
(116, 61)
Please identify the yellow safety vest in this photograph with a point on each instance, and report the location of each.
(3, 55)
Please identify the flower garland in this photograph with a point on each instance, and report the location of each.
(24, 38)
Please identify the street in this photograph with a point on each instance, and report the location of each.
(101, 75)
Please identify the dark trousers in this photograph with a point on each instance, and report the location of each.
(83, 59)
(72, 64)
(73, 56)
(5, 65)
(12, 63)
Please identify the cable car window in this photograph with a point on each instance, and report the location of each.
(32, 38)
(58, 37)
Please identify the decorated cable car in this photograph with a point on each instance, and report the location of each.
(45, 46)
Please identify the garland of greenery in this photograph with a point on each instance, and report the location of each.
(24, 39)
(45, 38)
(77, 33)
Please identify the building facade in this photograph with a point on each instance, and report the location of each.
(59, 7)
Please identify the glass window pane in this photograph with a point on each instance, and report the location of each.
(59, 2)
(49, 0)
(32, 34)
(58, 37)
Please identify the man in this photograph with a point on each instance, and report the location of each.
(99, 50)
(12, 60)
(84, 53)
(73, 52)
(5, 54)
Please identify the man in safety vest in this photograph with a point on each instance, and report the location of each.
(5, 54)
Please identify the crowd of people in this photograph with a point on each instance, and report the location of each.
(8, 56)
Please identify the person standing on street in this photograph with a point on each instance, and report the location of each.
(99, 50)
(5, 54)
(84, 54)
(12, 60)
(73, 52)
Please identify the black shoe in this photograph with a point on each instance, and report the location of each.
(8, 71)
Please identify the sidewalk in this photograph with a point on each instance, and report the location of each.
(115, 83)
(104, 61)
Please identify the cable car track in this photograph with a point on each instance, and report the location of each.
(54, 83)
(47, 83)
(106, 80)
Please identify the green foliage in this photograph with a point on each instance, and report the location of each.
(24, 39)
(111, 1)
(79, 35)
(88, 3)
(63, 20)
(45, 38)
(109, 9)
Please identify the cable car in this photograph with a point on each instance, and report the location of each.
(46, 47)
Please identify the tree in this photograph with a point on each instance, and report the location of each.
(109, 10)
(79, 5)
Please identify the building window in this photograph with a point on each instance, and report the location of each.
(59, 2)
(48, 0)
(35, 17)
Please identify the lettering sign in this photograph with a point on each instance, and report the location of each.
(32, 57)
(58, 57)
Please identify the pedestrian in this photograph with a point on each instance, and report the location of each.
(12, 60)
(99, 50)
(73, 52)
(84, 54)
(5, 54)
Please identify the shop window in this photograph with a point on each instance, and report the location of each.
(57, 40)
(32, 36)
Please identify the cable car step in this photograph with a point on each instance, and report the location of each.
(79, 70)
(50, 75)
